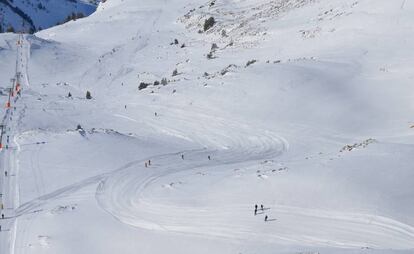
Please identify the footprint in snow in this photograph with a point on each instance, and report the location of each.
(62, 209)
(43, 240)
(262, 176)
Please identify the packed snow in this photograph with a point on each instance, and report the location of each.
(302, 106)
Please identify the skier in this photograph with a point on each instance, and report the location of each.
(125, 106)
(2, 216)
(209, 158)
(146, 165)
(69, 95)
(149, 162)
(155, 114)
(262, 207)
(5, 173)
(266, 218)
(182, 156)
(255, 211)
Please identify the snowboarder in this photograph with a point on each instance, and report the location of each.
(266, 218)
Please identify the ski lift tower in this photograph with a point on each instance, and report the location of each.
(11, 89)
(18, 76)
(1, 135)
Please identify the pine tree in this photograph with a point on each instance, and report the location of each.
(10, 29)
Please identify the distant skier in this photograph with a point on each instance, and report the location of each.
(156, 114)
(255, 209)
(146, 165)
(2, 216)
(262, 207)
(149, 162)
(5, 173)
(266, 218)
(125, 107)
(209, 158)
(69, 95)
(182, 156)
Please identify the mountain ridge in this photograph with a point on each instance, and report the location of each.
(29, 17)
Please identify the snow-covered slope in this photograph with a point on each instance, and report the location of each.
(24, 16)
(304, 106)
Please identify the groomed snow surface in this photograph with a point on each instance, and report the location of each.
(304, 106)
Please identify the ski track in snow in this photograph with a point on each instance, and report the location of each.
(122, 194)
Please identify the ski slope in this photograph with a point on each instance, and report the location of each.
(302, 106)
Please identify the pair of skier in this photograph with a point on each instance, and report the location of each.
(255, 208)
(262, 209)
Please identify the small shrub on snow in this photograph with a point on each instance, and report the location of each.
(88, 95)
(143, 85)
(175, 73)
(164, 81)
(250, 62)
(209, 23)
